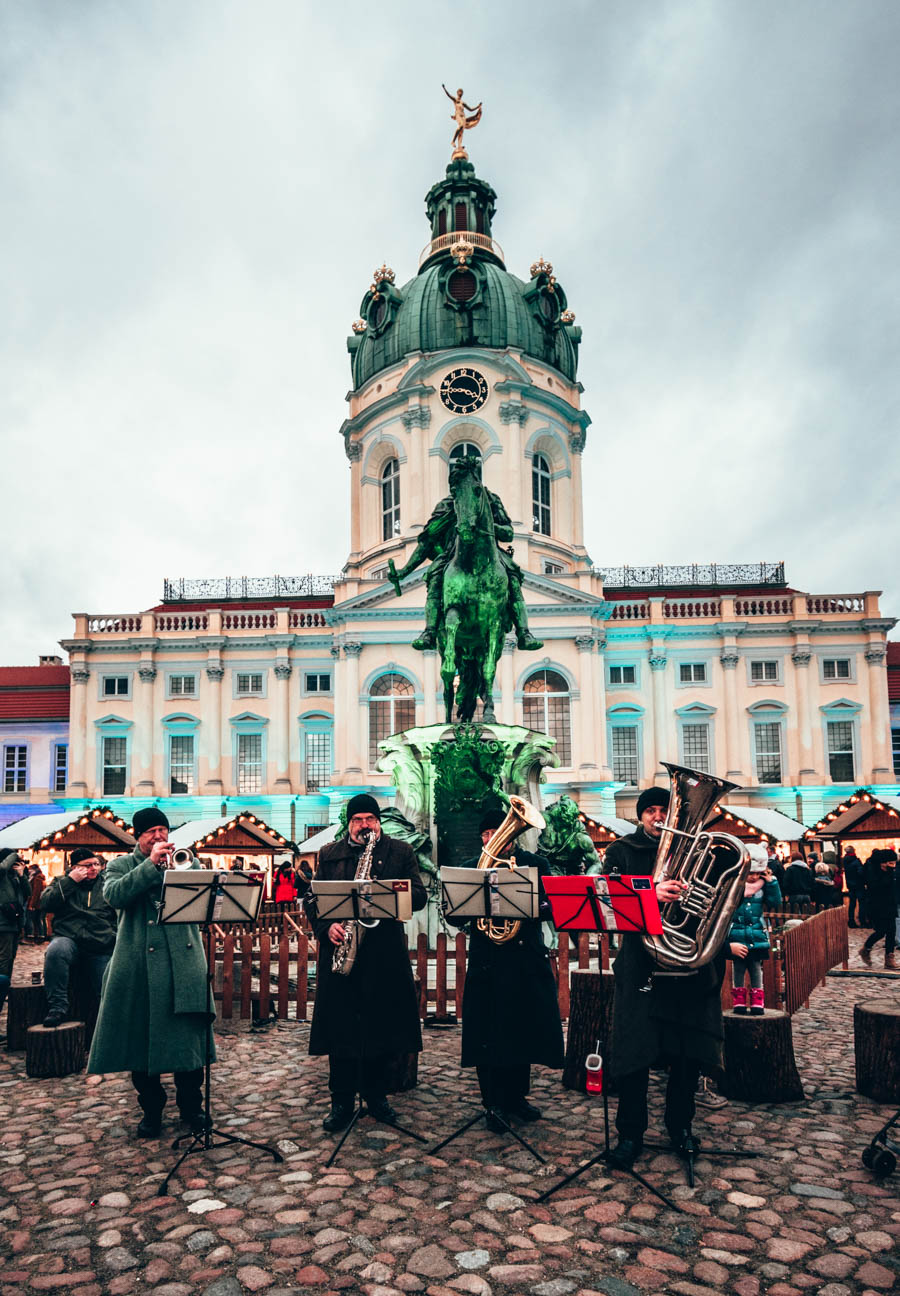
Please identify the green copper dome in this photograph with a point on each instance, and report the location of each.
(463, 294)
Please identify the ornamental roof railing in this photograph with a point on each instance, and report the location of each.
(247, 587)
(444, 242)
(693, 574)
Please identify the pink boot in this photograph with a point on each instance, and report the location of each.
(739, 999)
(758, 1001)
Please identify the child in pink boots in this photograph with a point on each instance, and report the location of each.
(749, 936)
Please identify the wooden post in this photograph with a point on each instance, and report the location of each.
(590, 1020)
(460, 972)
(759, 1059)
(876, 1037)
(54, 1051)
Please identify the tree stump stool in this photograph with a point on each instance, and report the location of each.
(590, 1020)
(876, 1038)
(26, 1006)
(759, 1059)
(54, 1051)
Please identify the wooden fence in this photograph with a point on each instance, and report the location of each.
(268, 967)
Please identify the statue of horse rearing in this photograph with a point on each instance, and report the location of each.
(475, 598)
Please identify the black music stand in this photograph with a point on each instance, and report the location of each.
(206, 896)
(489, 893)
(366, 900)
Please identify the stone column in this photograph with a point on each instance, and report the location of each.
(658, 663)
(281, 757)
(729, 660)
(598, 710)
(357, 716)
(801, 657)
(77, 783)
(430, 684)
(341, 719)
(508, 682)
(215, 784)
(584, 752)
(879, 713)
(141, 779)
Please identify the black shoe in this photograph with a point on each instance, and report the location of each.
(524, 1110)
(199, 1123)
(684, 1143)
(149, 1127)
(625, 1153)
(54, 1018)
(494, 1121)
(381, 1110)
(338, 1118)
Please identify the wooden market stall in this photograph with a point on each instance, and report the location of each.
(754, 823)
(864, 820)
(48, 840)
(606, 829)
(242, 841)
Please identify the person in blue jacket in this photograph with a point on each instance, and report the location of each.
(749, 936)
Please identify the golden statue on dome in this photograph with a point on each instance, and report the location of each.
(463, 123)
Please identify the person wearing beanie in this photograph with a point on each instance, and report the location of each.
(748, 939)
(14, 892)
(659, 1020)
(156, 1013)
(364, 1018)
(510, 1007)
(881, 903)
(84, 931)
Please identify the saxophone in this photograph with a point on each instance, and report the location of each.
(520, 816)
(345, 954)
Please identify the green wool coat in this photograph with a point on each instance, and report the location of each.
(155, 1011)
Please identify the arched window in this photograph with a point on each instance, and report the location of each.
(390, 500)
(392, 708)
(463, 448)
(547, 709)
(540, 494)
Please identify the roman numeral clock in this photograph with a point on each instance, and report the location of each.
(464, 390)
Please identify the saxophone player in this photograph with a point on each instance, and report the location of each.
(362, 1019)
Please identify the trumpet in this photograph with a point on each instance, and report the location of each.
(182, 858)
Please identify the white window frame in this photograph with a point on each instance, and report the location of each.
(764, 662)
(173, 692)
(775, 720)
(550, 567)
(541, 510)
(389, 483)
(249, 673)
(462, 449)
(255, 764)
(313, 736)
(191, 788)
(17, 768)
(692, 666)
(853, 750)
(114, 697)
(529, 698)
(123, 765)
(621, 777)
(623, 684)
(849, 678)
(55, 769)
(316, 673)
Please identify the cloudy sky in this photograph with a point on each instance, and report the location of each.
(194, 197)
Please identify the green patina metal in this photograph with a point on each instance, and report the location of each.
(474, 590)
(471, 302)
(564, 841)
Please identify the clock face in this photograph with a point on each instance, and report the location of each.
(464, 390)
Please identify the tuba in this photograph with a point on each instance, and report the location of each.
(714, 865)
(521, 816)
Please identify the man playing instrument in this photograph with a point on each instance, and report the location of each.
(510, 1006)
(437, 541)
(659, 1019)
(363, 1019)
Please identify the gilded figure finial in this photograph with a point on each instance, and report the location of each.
(463, 123)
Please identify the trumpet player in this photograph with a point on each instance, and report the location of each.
(659, 1020)
(362, 1019)
(155, 1011)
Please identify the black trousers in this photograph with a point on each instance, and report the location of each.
(346, 1078)
(504, 1086)
(856, 907)
(883, 927)
(152, 1096)
(631, 1116)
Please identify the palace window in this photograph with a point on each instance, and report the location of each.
(115, 755)
(115, 685)
(250, 682)
(547, 709)
(464, 448)
(551, 568)
(182, 686)
(249, 762)
(764, 672)
(317, 683)
(692, 672)
(181, 764)
(60, 767)
(840, 751)
(15, 769)
(318, 760)
(767, 737)
(624, 753)
(622, 674)
(392, 708)
(695, 746)
(540, 494)
(895, 749)
(390, 500)
(836, 668)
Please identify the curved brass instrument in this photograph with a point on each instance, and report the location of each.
(714, 866)
(344, 955)
(521, 816)
(182, 858)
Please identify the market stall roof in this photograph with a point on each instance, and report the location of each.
(240, 832)
(770, 823)
(98, 828)
(319, 839)
(617, 827)
(864, 814)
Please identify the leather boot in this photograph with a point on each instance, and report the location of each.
(865, 955)
(739, 999)
(890, 962)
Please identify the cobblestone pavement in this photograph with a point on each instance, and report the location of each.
(79, 1211)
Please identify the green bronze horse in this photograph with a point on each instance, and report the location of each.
(475, 598)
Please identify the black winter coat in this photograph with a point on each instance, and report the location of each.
(677, 1016)
(798, 882)
(881, 896)
(372, 1012)
(510, 1005)
(13, 895)
(81, 913)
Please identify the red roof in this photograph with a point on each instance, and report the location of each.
(34, 693)
(893, 670)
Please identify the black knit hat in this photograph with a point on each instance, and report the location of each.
(654, 796)
(491, 819)
(149, 817)
(80, 854)
(362, 803)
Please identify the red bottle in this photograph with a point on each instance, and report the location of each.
(594, 1067)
